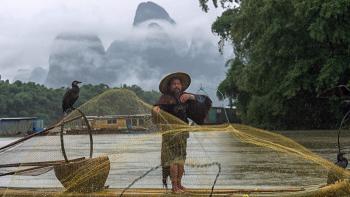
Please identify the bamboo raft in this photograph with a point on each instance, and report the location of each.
(339, 189)
(139, 192)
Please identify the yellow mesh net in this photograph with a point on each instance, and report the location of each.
(112, 145)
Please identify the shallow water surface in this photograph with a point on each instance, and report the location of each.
(243, 165)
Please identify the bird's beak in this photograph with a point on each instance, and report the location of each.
(80, 82)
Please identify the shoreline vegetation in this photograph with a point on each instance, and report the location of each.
(29, 99)
(286, 53)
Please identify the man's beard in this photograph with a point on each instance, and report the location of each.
(177, 93)
(179, 108)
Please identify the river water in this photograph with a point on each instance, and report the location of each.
(131, 155)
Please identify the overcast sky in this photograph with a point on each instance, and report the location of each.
(28, 27)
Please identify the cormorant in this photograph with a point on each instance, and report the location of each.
(341, 160)
(333, 175)
(70, 97)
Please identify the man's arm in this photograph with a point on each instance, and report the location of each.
(187, 97)
(193, 97)
(162, 104)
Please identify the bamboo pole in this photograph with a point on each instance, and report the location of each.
(35, 134)
(24, 170)
(42, 163)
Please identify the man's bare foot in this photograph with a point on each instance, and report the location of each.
(182, 187)
(176, 190)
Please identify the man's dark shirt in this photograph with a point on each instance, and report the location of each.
(172, 105)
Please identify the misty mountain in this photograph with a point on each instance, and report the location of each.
(158, 53)
(143, 58)
(75, 56)
(150, 11)
(22, 75)
(37, 75)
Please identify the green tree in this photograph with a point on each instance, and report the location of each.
(286, 53)
(30, 99)
(150, 97)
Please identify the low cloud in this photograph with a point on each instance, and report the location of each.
(30, 27)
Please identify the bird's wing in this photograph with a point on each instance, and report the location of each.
(74, 99)
(67, 99)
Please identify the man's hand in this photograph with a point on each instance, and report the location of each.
(156, 109)
(185, 97)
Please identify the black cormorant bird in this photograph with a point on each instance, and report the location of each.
(70, 97)
(333, 175)
(341, 160)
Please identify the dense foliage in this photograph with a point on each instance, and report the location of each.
(286, 53)
(29, 99)
(115, 102)
(150, 97)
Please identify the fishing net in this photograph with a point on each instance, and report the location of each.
(113, 144)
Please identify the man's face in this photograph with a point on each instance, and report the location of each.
(175, 86)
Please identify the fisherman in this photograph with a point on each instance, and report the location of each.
(178, 103)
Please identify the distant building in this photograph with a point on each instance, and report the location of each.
(109, 124)
(20, 125)
(219, 115)
(112, 123)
